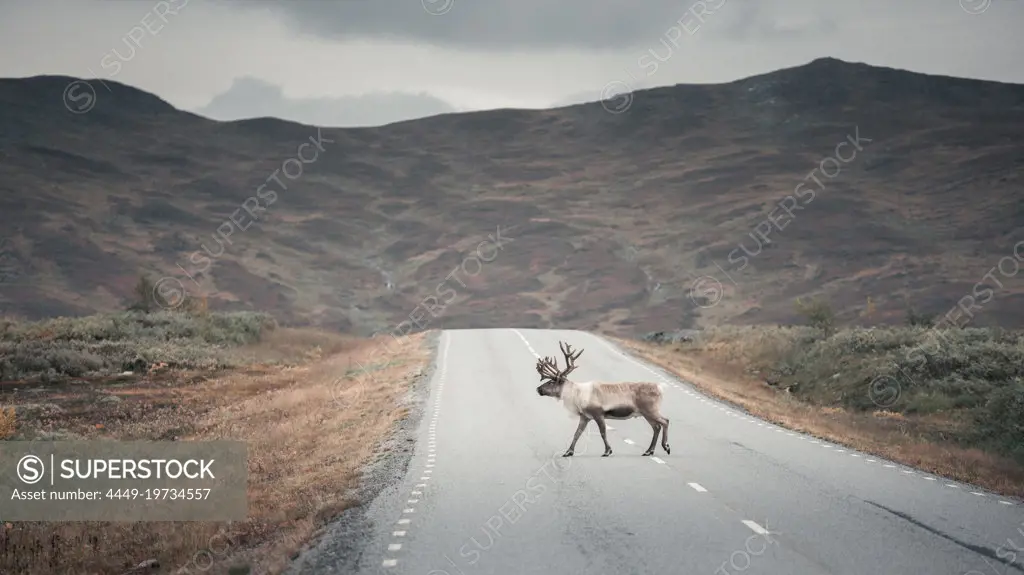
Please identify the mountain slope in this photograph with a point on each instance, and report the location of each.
(613, 217)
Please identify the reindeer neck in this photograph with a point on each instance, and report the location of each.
(568, 390)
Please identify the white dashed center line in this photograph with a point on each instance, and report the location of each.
(745, 417)
(755, 527)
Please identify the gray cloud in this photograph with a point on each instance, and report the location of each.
(254, 98)
(336, 55)
(756, 21)
(490, 24)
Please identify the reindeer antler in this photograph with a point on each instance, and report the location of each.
(570, 357)
(547, 367)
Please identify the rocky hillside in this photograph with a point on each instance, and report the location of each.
(611, 219)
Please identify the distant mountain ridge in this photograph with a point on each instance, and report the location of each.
(254, 98)
(616, 217)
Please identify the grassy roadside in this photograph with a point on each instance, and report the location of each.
(311, 419)
(953, 407)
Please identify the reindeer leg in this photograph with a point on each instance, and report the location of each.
(654, 425)
(584, 420)
(664, 434)
(599, 418)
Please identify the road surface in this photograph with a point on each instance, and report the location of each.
(486, 491)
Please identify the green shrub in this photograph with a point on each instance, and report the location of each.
(819, 315)
(974, 374)
(1000, 423)
(128, 341)
(916, 319)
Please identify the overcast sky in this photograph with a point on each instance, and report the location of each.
(368, 62)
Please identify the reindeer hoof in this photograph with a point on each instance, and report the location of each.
(607, 453)
(567, 453)
(648, 452)
(665, 447)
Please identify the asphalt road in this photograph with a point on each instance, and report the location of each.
(487, 491)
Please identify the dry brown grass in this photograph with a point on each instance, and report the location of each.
(309, 428)
(717, 370)
(8, 422)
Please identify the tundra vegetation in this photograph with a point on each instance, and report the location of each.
(946, 399)
(150, 373)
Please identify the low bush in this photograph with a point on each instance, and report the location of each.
(107, 344)
(975, 376)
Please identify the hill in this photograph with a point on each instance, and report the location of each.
(612, 217)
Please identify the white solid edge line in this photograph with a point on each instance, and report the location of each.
(697, 487)
(755, 527)
(657, 460)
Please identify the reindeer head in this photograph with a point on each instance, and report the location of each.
(552, 378)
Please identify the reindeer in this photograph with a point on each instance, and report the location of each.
(600, 400)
